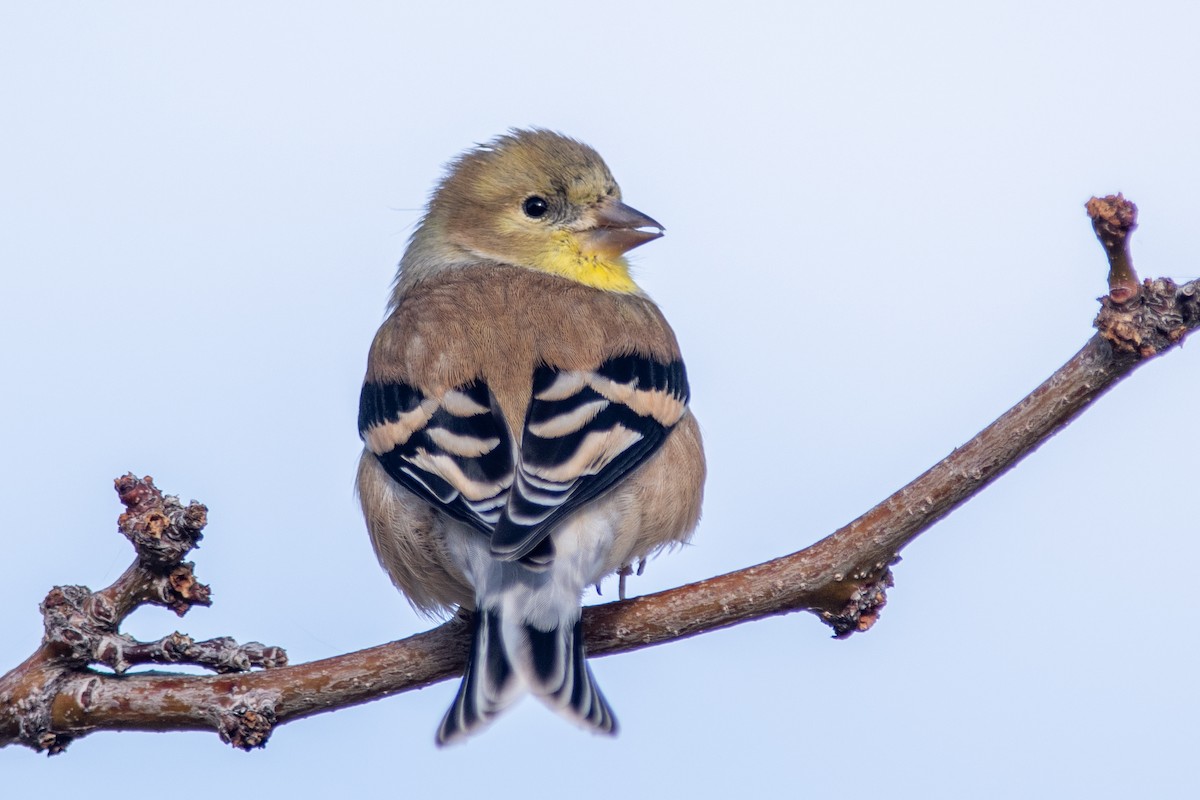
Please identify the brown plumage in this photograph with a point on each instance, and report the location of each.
(525, 414)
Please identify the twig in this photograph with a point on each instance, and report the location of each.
(222, 654)
(82, 627)
(1114, 219)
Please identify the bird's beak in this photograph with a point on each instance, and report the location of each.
(611, 228)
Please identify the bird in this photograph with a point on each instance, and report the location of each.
(525, 417)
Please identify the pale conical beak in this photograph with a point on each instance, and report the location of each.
(612, 228)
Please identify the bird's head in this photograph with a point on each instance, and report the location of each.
(538, 199)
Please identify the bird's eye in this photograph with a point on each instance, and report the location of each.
(535, 206)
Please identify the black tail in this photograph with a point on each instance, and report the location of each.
(488, 684)
(562, 679)
(551, 664)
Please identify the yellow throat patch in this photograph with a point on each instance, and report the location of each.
(565, 258)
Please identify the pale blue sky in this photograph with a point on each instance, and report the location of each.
(876, 243)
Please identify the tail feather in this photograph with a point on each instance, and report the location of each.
(488, 686)
(561, 678)
(505, 660)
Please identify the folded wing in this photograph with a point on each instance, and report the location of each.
(584, 431)
(454, 451)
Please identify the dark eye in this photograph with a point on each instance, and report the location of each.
(535, 206)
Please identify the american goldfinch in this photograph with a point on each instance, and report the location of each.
(525, 419)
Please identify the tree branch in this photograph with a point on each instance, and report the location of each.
(55, 695)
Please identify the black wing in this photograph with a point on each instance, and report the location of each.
(584, 432)
(456, 451)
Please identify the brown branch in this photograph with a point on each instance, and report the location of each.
(55, 696)
(82, 627)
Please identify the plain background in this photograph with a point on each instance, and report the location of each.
(876, 244)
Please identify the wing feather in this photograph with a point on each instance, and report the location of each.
(584, 432)
(455, 451)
